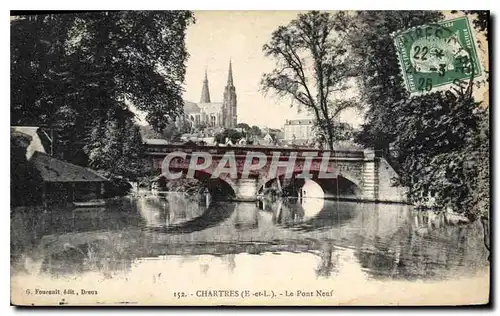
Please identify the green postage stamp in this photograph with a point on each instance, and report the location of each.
(433, 57)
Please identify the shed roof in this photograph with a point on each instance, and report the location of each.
(54, 170)
(38, 138)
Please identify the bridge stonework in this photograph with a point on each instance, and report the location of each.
(360, 168)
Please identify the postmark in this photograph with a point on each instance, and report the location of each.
(435, 56)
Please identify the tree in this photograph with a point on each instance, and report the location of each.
(437, 136)
(37, 53)
(132, 162)
(244, 126)
(148, 132)
(97, 58)
(80, 72)
(229, 133)
(317, 41)
(343, 131)
(255, 131)
(378, 69)
(172, 132)
(441, 138)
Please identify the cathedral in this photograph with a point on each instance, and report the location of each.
(214, 114)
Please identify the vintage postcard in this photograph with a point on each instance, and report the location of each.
(250, 158)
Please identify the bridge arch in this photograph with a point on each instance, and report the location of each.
(343, 185)
(217, 187)
(340, 187)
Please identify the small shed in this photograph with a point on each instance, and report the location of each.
(65, 182)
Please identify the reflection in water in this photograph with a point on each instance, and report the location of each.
(246, 217)
(170, 209)
(309, 213)
(424, 249)
(346, 238)
(176, 214)
(312, 206)
(311, 189)
(326, 266)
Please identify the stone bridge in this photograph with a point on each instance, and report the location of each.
(350, 174)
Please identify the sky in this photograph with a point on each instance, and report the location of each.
(220, 36)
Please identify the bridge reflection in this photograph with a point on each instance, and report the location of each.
(380, 240)
(314, 187)
(309, 213)
(172, 214)
(205, 217)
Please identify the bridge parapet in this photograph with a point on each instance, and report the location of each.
(243, 150)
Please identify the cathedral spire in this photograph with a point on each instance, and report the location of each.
(230, 75)
(205, 93)
(229, 103)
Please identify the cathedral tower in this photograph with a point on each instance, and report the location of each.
(229, 101)
(205, 93)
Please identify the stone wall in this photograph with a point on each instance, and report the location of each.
(389, 189)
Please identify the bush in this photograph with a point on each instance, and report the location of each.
(117, 185)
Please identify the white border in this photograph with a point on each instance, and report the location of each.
(211, 5)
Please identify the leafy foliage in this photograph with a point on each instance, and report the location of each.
(244, 126)
(189, 186)
(317, 41)
(230, 134)
(441, 148)
(255, 131)
(172, 132)
(441, 139)
(252, 131)
(378, 69)
(79, 73)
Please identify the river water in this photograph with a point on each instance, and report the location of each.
(176, 242)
